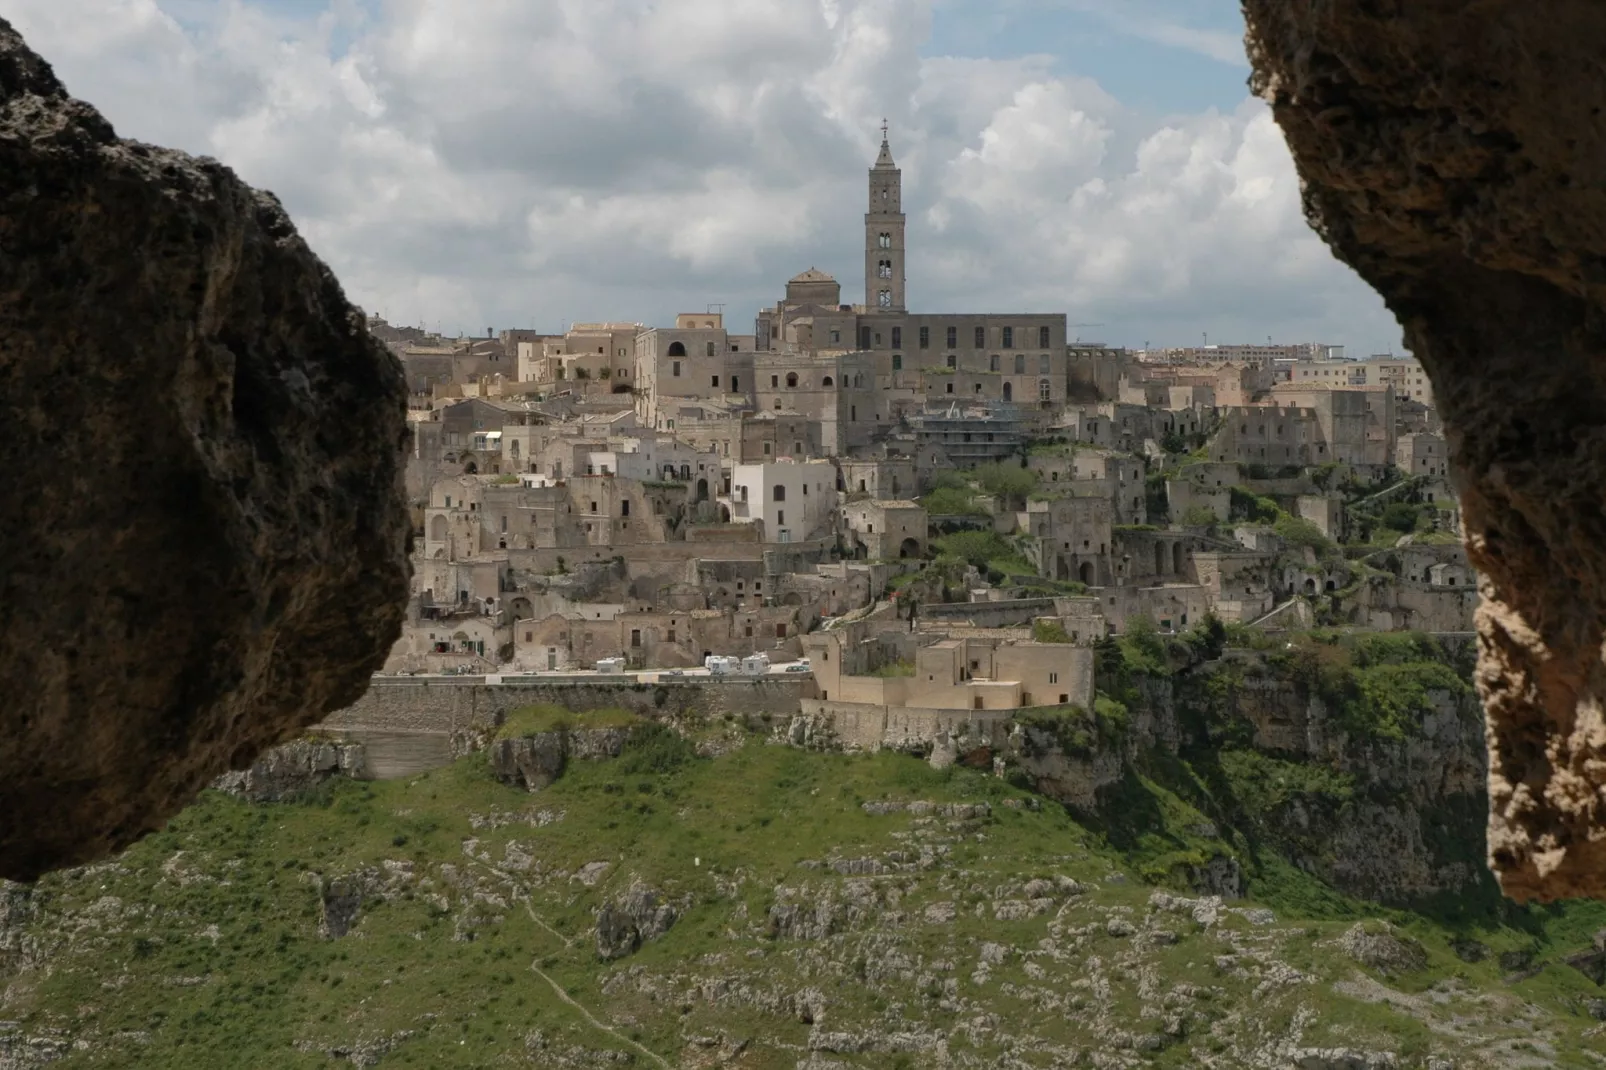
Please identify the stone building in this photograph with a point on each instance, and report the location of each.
(1422, 454)
(1019, 358)
(884, 530)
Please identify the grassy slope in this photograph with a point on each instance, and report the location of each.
(200, 946)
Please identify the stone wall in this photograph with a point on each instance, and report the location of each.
(852, 724)
(442, 707)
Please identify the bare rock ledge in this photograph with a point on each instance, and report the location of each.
(204, 545)
(1454, 155)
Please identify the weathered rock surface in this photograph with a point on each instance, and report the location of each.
(534, 762)
(205, 543)
(289, 769)
(1455, 159)
(625, 923)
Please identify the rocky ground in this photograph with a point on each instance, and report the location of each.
(763, 907)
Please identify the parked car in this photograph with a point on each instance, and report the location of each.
(800, 666)
(675, 672)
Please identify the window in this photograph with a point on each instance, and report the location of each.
(791, 379)
(780, 629)
(671, 636)
(635, 637)
(1009, 338)
(775, 382)
(897, 362)
(624, 508)
(953, 361)
(780, 516)
(1044, 390)
(593, 507)
(1053, 677)
(1042, 337)
(828, 381)
(836, 335)
(953, 337)
(674, 369)
(884, 269)
(950, 388)
(734, 384)
(676, 350)
(925, 338)
(885, 240)
(992, 363)
(1020, 364)
(716, 380)
(864, 338)
(780, 493)
(1042, 364)
(884, 299)
(897, 337)
(981, 337)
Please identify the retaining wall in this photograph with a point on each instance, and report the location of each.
(443, 706)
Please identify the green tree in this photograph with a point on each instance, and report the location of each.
(1009, 483)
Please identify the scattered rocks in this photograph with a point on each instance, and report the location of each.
(1382, 949)
(1343, 1059)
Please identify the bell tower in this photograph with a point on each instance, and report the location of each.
(883, 234)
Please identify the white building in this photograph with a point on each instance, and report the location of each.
(793, 501)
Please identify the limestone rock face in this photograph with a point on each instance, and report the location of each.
(625, 923)
(1455, 157)
(205, 541)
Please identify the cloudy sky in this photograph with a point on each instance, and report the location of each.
(467, 164)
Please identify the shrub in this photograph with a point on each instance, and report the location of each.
(1049, 631)
(1010, 483)
(654, 749)
(1297, 531)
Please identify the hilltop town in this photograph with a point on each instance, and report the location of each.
(939, 511)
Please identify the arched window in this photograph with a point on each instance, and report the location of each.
(791, 379)
(884, 299)
(676, 349)
(886, 240)
(828, 381)
(780, 493)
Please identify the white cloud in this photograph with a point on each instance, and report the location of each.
(514, 162)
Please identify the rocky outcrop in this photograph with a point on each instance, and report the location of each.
(625, 923)
(534, 762)
(292, 769)
(205, 539)
(1455, 160)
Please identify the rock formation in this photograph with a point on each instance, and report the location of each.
(205, 543)
(1453, 156)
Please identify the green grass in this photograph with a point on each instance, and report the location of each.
(228, 894)
(534, 720)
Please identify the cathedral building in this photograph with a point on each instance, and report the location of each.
(920, 358)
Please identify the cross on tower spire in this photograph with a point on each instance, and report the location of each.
(883, 129)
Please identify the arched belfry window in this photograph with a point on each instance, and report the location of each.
(886, 240)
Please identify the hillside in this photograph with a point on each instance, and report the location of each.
(754, 905)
